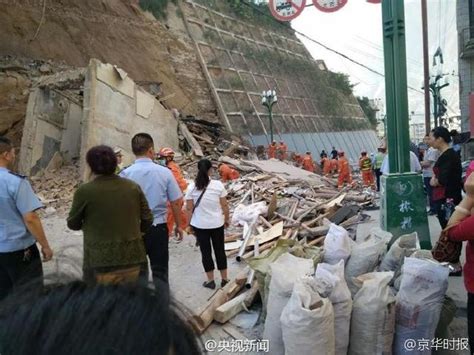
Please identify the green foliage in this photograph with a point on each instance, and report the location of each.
(340, 82)
(368, 110)
(156, 7)
(211, 36)
(235, 83)
(259, 14)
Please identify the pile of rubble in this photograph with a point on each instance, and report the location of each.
(274, 204)
(204, 138)
(324, 289)
(55, 188)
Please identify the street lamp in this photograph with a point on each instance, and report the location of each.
(439, 108)
(269, 98)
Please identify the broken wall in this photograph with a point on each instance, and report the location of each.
(115, 109)
(52, 124)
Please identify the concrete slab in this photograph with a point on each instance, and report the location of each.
(113, 116)
(286, 171)
(52, 124)
(145, 104)
(108, 74)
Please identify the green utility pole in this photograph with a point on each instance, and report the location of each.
(403, 201)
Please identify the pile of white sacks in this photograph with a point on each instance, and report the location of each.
(362, 299)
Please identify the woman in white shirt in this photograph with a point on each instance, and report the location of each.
(208, 213)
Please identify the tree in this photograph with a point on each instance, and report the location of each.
(369, 111)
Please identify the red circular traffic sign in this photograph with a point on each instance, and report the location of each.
(329, 5)
(286, 10)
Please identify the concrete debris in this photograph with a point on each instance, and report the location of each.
(55, 188)
(300, 205)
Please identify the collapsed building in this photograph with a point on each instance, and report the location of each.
(72, 111)
(203, 59)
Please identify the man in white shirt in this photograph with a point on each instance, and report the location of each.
(415, 166)
(430, 158)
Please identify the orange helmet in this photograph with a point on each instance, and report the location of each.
(166, 152)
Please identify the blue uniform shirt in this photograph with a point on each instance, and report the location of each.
(158, 185)
(16, 199)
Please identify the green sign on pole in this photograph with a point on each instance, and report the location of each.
(403, 202)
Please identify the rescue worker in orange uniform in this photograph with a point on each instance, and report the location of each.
(227, 173)
(308, 163)
(272, 150)
(297, 159)
(344, 170)
(282, 151)
(167, 155)
(326, 164)
(365, 165)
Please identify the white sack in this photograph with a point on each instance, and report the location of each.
(419, 301)
(366, 256)
(373, 316)
(337, 245)
(340, 297)
(285, 271)
(404, 246)
(249, 213)
(307, 321)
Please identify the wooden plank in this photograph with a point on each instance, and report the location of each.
(195, 146)
(205, 140)
(233, 245)
(269, 235)
(200, 322)
(229, 309)
(272, 207)
(335, 201)
(233, 307)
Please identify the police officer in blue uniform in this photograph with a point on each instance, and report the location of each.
(20, 228)
(159, 186)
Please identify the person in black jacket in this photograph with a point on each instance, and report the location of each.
(446, 180)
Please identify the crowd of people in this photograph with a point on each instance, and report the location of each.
(127, 217)
(334, 163)
(128, 214)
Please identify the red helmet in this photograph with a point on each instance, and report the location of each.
(166, 152)
(340, 153)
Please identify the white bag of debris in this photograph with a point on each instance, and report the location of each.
(249, 213)
(419, 301)
(337, 245)
(307, 321)
(366, 256)
(375, 230)
(341, 300)
(404, 246)
(373, 316)
(285, 271)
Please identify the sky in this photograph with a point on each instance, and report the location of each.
(356, 30)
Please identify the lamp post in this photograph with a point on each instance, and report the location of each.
(439, 107)
(269, 98)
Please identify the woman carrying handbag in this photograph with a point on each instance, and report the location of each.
(208, 213)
